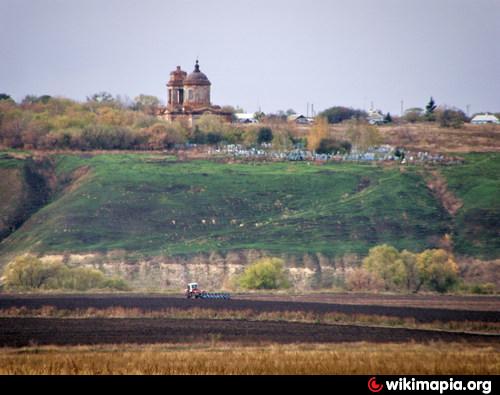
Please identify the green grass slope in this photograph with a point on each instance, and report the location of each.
(151, 205)
(11, 192)
(22, 192)
(477, 223)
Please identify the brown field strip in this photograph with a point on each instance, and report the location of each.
(19, 332)
(488, 312)
(221, 358)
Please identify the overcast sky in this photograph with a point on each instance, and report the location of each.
(259, 53)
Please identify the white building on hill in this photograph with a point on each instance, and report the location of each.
(245, 118)
(299, 119)
(481, 119)
(375, 117)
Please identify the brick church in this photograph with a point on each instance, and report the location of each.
(189, 97)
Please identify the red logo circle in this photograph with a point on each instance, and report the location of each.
(373, 386)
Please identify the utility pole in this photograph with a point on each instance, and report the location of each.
(468, 110)
(402, 106)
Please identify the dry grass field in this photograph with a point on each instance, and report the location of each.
(222, 358)
(430, 137)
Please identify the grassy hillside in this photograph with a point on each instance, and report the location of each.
(477, 224)
(151, 204)
(11, 192)
(23, 190)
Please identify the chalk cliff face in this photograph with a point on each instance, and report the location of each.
(216, 271)
(213, 271)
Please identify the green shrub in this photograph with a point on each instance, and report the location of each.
(266, 273)
(413, 115)
(81, 279)
(28, 272)
(482, 289)
(339, 114)
(437, 270)
(386, 262)
(265, 135)
(214, 138)
(332, 146)
(198, 137)
(450, 117)
(116, 283)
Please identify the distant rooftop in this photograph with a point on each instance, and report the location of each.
(240, 115)
(485, 118)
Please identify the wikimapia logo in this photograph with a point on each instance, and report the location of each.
(373, 386)
(404, 384)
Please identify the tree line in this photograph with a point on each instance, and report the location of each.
(28, 272)
(443, 115)
(386, 268)
(105, 122)
(383, 269)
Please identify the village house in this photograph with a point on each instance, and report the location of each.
(189, 97)
(481, 119)
(299, 119)
(375, 117)
(245, 118)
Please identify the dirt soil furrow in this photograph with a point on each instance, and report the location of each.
(152, 303)
(19, 332)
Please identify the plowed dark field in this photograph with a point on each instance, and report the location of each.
(21, 331)
(18, 332)
(151, 303)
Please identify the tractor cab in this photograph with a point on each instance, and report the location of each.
(192, 291)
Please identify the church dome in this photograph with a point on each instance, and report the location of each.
(196, 77)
